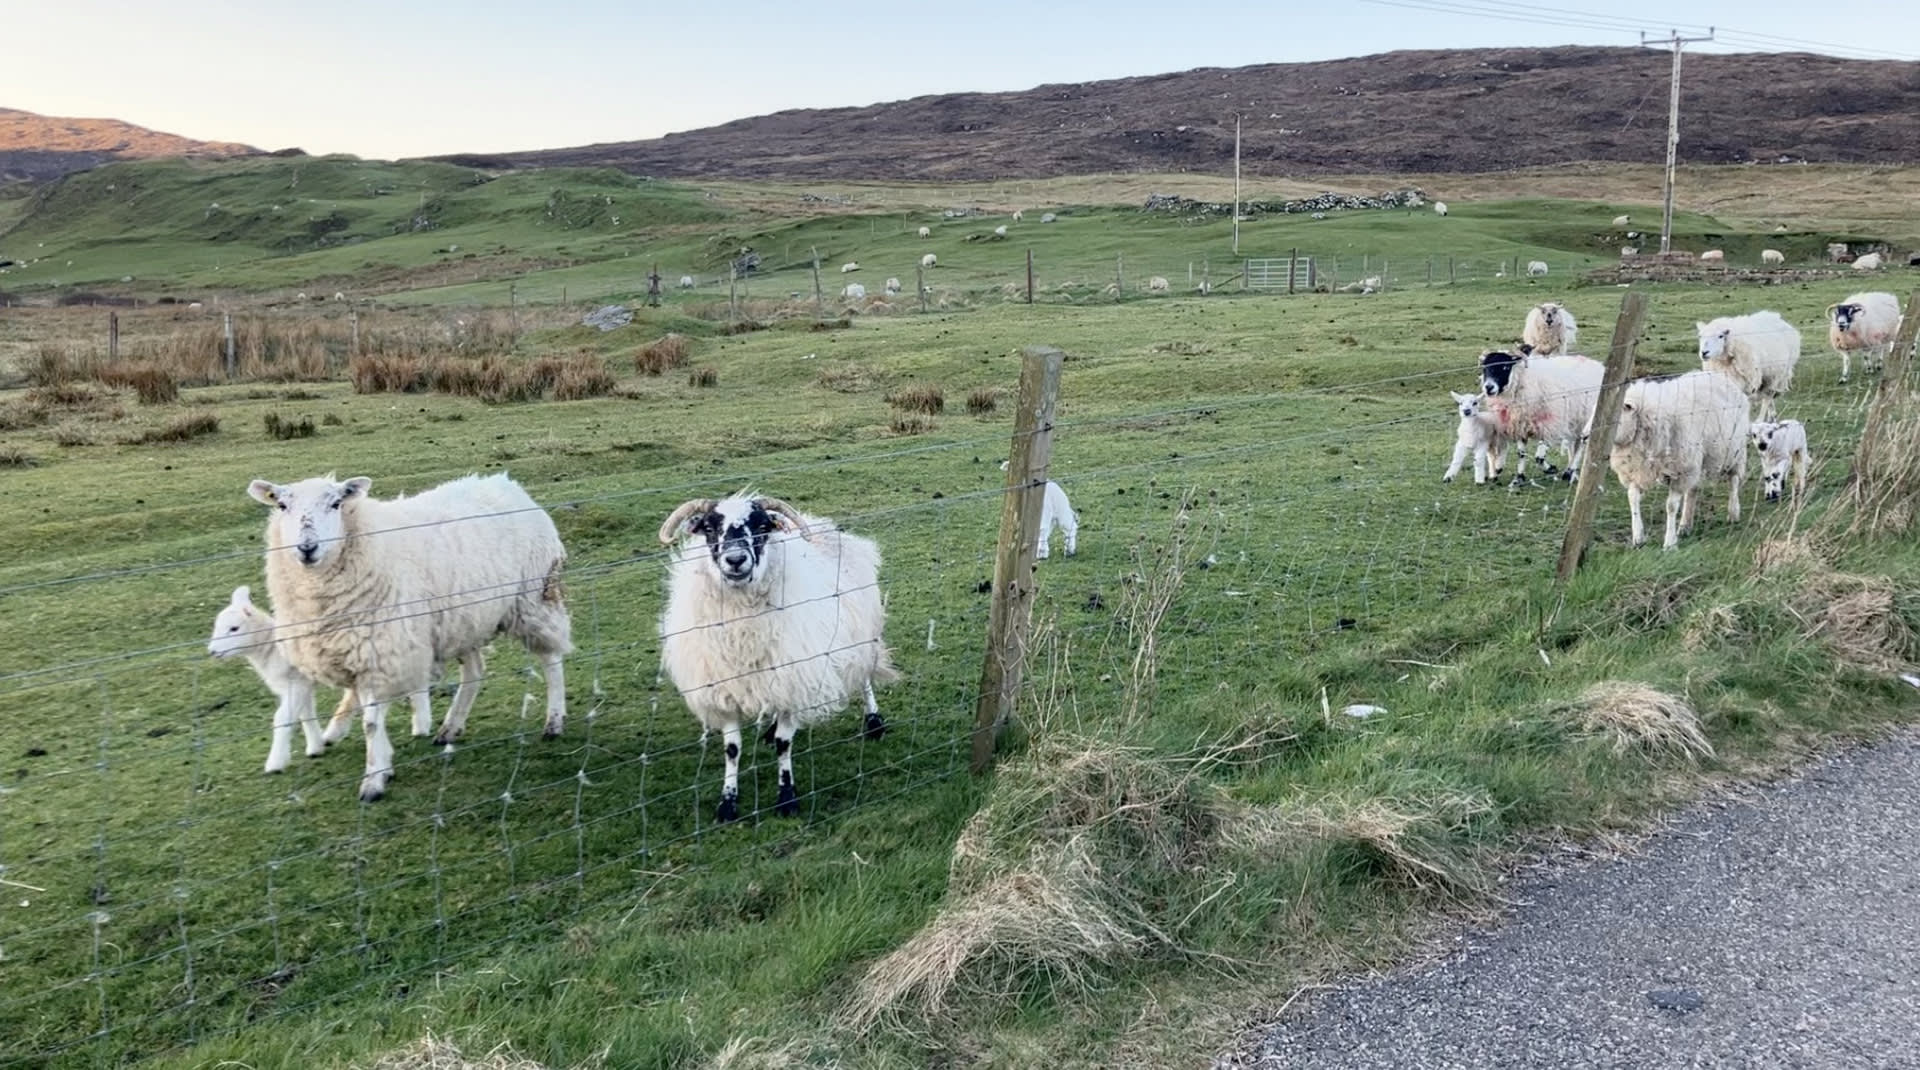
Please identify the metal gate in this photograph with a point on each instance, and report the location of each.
(1292, 274)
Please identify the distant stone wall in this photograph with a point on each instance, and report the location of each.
(1320, 202)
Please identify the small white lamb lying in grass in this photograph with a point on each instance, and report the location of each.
(1782, 446)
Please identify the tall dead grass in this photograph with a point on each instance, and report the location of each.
(491, 379)
(663, 354)
(1633, 716)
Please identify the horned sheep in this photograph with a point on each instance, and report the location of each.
(1546, 398)
(1783, 448)
(800, 603)
(1865, 322)
(1550, 329)
(375, 594)
(1757, 351)
(1679, 431)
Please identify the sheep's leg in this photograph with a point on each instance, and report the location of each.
(281, 752)
(1634, 495)
(373, 785)
(473, 668)
(1846, 364)
(422, 703)
(1801, 462)
(730, 779)
(1540, 455)
(1461, 447)
(310, 722)
(342, 721)
(876, 727)
(1675, 500)
(1687, 503)
(1733, 498)
(1046, 538)
(784, 728)
(1071, 527)
(556, 670)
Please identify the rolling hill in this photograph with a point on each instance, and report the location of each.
(35, 148)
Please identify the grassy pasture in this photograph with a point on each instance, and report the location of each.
(573, 897)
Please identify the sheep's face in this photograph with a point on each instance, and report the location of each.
(1496, 372)
(736, 531)
(1761, 433)
(1468, 404)
(307, 517)
(1713, 345)
(1550, 316)
(1843, 316)
(238, 627)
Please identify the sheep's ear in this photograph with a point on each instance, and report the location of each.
(264, 492)
(355, 487)
(242, 596)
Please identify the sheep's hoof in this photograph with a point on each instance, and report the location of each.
(876, 727)
(1446, 479)
(550, 733)
(273, 769)
(444, 738)
(729, 809)
(1547, 468)
(372, 791)
(788, 804)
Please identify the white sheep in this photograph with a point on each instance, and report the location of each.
(893, 286)
(1772, 257)
(1550, 329)
(1546, 398)
(771, 615)
(1478, 436)
(929, 260)
(1627, 251)
(1018, 215)
(1783, 447)
(1000, 231)
(1048, 217)
(849, 266)
(242, 628)
(926, 232)
(1869, 262)
(1865, 322)
(1621, 220)
(1680, 432)
(1158, 284)
(1439, 208)
(1758, 351)
(686, 282)
(339, 295)
(1713, 256)
(854, 291)
(1056, 513)
(376, 595)
(1536, 268)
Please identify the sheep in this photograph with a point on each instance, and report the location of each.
(1057, 513)
(1713, 256)
(1782, 446)
(892, 287)
(1772, 257)
(241, 628)
(1868, 262)
(1440, 208)
(1627, 251)
(1000, 231)
(1538, 397)
(339, 295)
(926, 232)
(1478, 435)
(854, 291)
(803, 621)
(1048, 217)
(374, 594)
(929, 260)
(686, 282)
(1680, 431)
(1757, 351)
(1536, 268)
(849, 266)
(1158, 284)
(1018, 215)
(1621, 220)
(1550, 329)
(1866, 322)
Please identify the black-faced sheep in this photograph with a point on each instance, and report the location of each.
(1864, 323)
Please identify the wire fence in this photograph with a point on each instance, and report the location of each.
(160, 889)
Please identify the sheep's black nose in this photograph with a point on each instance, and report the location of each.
(309, 553)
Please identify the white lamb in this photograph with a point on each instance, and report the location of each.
(1869, 262)
(1550, 329)
(1536, 268)
(1758, 351)
(242, 628)
(892, 287)
(772, 615)
(1546, 398)
(1018, 215)
(1478, 436)
(926, 232)
(929, 260)
(854, 291)
(1772, 256)
(375, 595)
(686, 282)
(1865, 322)
(1439, 208)
(1783, 447)
(1000, 231)
(849, 266)
(1713, 256)
(1621, 220)
(1681, 432)
(1158, 285)
(1056, 513)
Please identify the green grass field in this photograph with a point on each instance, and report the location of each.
(1258, 484)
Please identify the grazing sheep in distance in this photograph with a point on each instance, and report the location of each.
(1869, 262)
(1536, 268)
(1866, 322)
(1000, 231)
(1545, 398)
(1439, 208)
(1680, 432)
(1772, 256)
(1048, 217)
(1782, 446)
(929, 260)
(849, 266)
(1018, 215)
(926, 232)
(375, 595)
(1757, 351)
(686, 282)
(854, 290)
(1621, 220)
(1713, 256)
(803, 626)
(1550, 330)
(892, 287)
(1158, 284)
(1627, 250)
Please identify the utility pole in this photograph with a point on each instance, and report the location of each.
(1673, 126)
(1236, 185)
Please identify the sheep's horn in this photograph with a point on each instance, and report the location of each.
(775, 505)
(670, 531)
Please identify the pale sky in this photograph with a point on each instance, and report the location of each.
(412, 78)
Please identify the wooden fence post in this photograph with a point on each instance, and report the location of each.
(1119, 275)
(1293, 258)
(513, 309)
(227, 317)
(1890, 393)
(1450, 278)
(353, 342)
(819, 302)
(1599, 444)
(1011, 612)
(113, 336)
(1029, 276)
(920, 284)
(733, 295)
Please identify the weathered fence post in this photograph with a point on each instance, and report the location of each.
(1293, 258)
(1119, 275)
(1886, 398)
(353, 341)
(513, 309)
(1606, 414)
(227, 317)
(1012, 609)
(1029, 276)
(920, 284)
(819, 301)
(733, 295)
(1450, 278)
(113, 336)
(1429, 270)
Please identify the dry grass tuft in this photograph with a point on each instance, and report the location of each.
(387, 374)
(703, 377)
(286, 427)
(15, 457)
(64, 395)
(20, 415)
(153, 384)
(1634, 716)
(845, 378)
(983, 401)
(1883, 496)
(181, 428)
(922, 397)
(437, 1053)
(663, 354)
(1856, 618)
(1416, 840)
(578, 377)
(906, 423)
(760, 1053)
